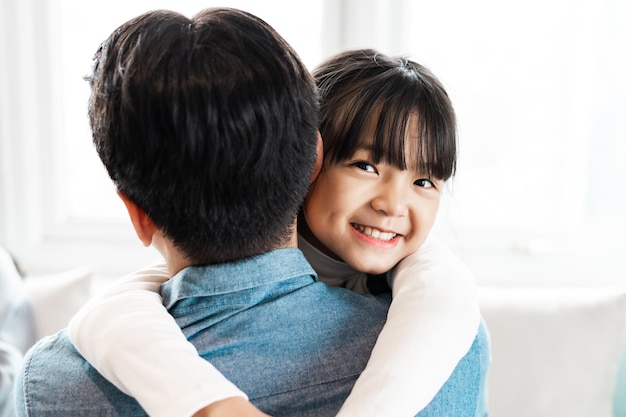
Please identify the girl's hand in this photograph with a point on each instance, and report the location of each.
(231, 407)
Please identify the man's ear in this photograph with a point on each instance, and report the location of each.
(319, 158)
(144, 227)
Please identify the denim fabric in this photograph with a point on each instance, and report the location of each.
(294, 345)
(465, 392)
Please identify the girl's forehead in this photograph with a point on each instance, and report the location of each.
(393, 142)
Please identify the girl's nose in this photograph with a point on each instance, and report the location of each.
(391, 200)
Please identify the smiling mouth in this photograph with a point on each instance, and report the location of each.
(374, 233)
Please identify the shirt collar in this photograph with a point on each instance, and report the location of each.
(264, 269)
(330, 270)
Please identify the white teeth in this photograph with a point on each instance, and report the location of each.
(375, 233)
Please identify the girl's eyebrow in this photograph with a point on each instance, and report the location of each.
(365, 151)
(367, 147)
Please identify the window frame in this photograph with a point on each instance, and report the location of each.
(34, 224)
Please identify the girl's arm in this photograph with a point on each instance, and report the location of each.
(129, 337)
(431, 325)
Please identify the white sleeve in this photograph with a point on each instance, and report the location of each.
(432, 322)
(129, 337)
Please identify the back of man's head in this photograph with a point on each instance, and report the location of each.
(209, 126)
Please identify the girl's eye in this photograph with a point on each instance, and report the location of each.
(424, 183)
(365, 166)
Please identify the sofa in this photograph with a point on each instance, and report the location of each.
(555, 351)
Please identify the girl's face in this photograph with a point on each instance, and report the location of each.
(369, 215)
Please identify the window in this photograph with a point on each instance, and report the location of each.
(541, 186)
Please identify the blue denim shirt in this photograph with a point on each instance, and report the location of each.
(294, 345)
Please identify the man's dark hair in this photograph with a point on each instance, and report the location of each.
(404, 99)
(209, 125)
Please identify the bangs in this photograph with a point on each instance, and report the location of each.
(402, 114)
(416, 137)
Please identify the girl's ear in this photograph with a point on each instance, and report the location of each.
(143, 225)
(319, 158)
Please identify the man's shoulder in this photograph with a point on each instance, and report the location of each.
(55, 380)
(464, 394)
(337, 305)
(51, 352)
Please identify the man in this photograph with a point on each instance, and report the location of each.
(208, 128)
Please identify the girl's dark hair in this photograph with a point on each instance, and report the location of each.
(209, 125)
(406, 101)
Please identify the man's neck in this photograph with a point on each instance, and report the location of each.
(174, 259)
(177, 261)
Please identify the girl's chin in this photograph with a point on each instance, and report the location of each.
(370, 269)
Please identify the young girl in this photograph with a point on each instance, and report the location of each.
(390, 144)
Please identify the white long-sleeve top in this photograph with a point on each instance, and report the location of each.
(129, 337)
